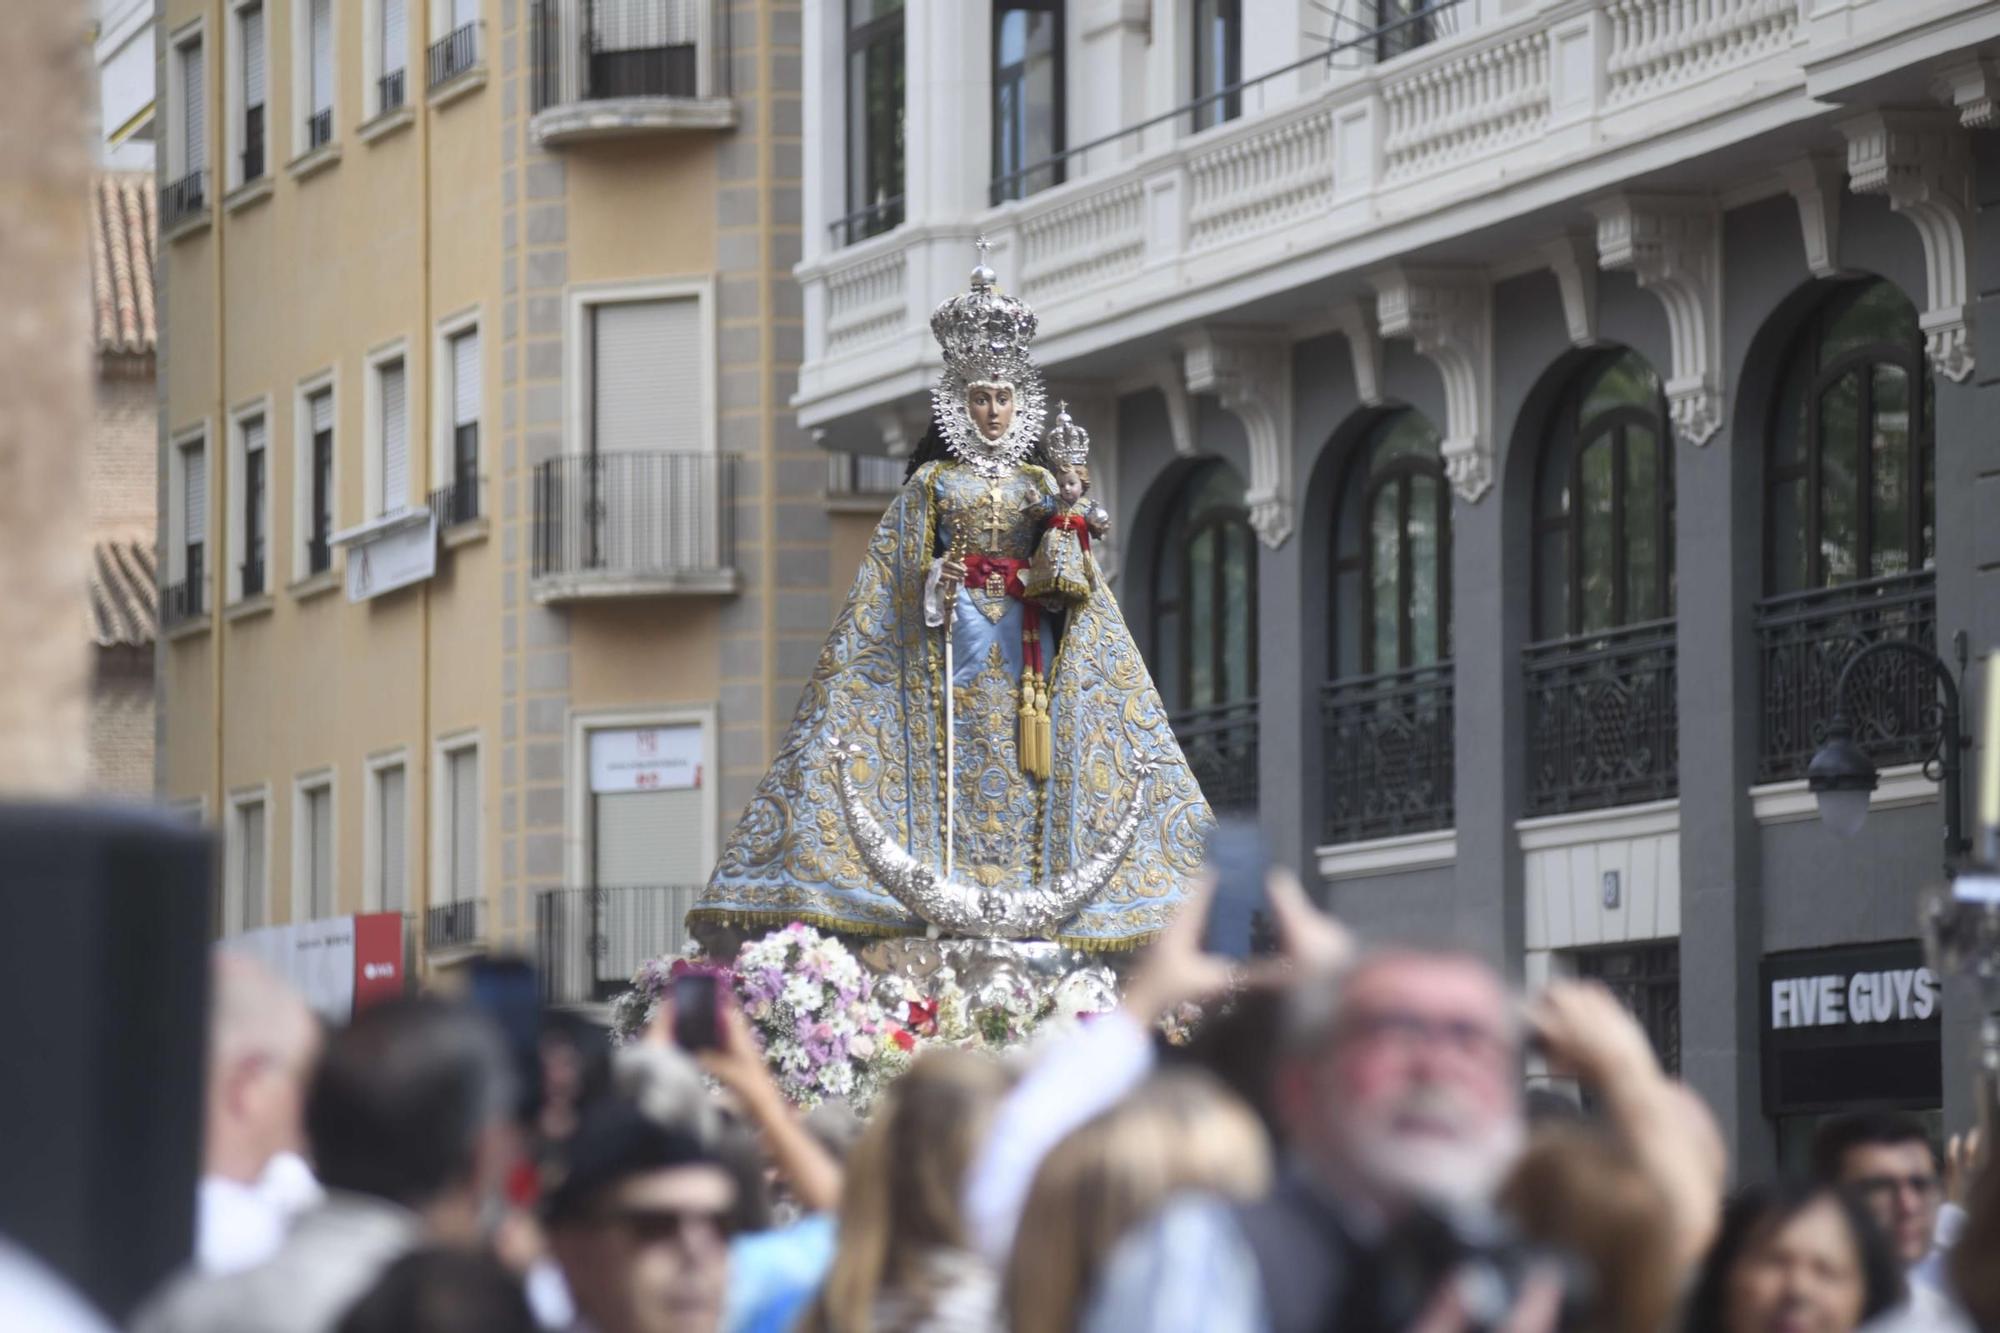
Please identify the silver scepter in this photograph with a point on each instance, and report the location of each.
(955, 555)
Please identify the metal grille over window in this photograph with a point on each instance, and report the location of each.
(395, 428)
(1646, 978)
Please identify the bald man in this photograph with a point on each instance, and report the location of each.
(262, 1043)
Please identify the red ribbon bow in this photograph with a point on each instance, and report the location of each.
(923, 1016)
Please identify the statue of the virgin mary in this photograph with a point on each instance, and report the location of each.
(1042, 795)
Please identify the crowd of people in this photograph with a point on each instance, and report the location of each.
(1355, 1139)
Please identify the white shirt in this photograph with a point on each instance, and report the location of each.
(239, 1226)
(35, 1300)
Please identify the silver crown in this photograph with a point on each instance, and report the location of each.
(1067, 444)
(982, 331)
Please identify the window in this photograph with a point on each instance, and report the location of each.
(1850, 478)
(458, 810)
(389, 424)
(456, 49)
(186, 195)
(1028, 77)
(647, 376)
(246, 882)
(251, 528)
(458, 401)
(312, 73)
(312, 850)
(1392, 553)
(388, 28)
(187, 529)
(1604, 505)
(253, 61)
(875, 110)
(1405, 25)
(388, 888)
(1218, 60)
(1205, 632)
(314, 486)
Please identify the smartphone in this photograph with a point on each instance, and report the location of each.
(508, 991)
(697, 1011)
(1239, 918)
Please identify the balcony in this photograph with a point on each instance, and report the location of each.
(862, 483)
(1388, 754)
(450, 927)
(1603, 719)
(456, 504)
(589, 942)
(182, 603)
(184, 201)
(390, 91)
(1511, 116)
(1805, 639)
(319, 129)
(612, 68)
(456, 53)
(1221, 747)
(633, 525)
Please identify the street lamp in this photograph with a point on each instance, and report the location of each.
(1841, 775)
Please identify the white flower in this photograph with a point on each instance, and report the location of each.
(861, 1046)
(837, 1079)
(804, 995)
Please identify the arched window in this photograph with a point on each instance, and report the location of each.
(1392, 553)
(1604, 505)
(1850, 479)
(1205, 632)
(1387, 712)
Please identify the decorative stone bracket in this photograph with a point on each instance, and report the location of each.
(1672, 244)
(1574, 260)
(1920, 161)
(1972, 89)
(1448, 315)
(1355, 322)
(1250, 372)
(1815, 183)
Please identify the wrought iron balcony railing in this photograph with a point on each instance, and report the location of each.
(1603, 719)
(182, 603)
(1388, 753)
(319, 129)
(390, 90)
(596, 50)
(1221, 747)
(454, 54)
(864, 475)
(452, 926)
(865, 222)
(589, 942)
(634, 523)
(184, 199)
(252, 571)
(1803, 641)
(458, 503)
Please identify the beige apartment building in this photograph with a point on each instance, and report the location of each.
(492, 557)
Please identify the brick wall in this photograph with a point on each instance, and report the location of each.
(121, 722)
(118, 475)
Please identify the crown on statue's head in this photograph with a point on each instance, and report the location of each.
(1067, 444)
(983, 332)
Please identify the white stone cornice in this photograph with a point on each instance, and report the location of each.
(1921, 162)
(1816, 183)
(1972, 89)
(1250, 373)
(1447, 313)
(1574, 259)
(1672, 244)
(1355, 322)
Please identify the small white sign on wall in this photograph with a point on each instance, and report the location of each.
(645, 759)
(389, 554)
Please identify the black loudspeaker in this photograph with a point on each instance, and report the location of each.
(104, 935)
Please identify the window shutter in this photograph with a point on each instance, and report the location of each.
(649, 393)
(252, 867)
(395, 36)
(649, 837)
(322, 411)
(319, 820)
(194, 493)
(465, 378)
(322, 55)
(395, 439)
(464, 826)
(464, 12)
(194, 103)
(253, 56)
(393, 895)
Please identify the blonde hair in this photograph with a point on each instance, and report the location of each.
(899, 1205)
(1179, 1131)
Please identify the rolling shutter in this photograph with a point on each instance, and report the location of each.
(253, 56)
(322, 411)
(648, 392)
(194, 104)
(393, 893)
(464, 826)
(319, 852)
(194, 493)
(251, 867)
(395, 36)
(465, 378)
(322, 55)
(395, 439)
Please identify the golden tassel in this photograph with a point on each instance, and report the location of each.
(1044, 740)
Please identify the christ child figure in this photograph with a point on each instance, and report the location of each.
(1062, 570)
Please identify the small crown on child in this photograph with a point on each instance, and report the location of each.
(1067, 444)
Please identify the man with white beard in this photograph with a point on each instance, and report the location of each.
(1398, 1092)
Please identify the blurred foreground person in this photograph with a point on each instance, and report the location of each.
(1794, 1258)
(1579, 1190)
(640, 1224)
(1885, 1159)
(442, 1291)
(1178, 1131)
(1974, 1265)
(409, 1120)
(262, 1041)
(1397, 1093)
(904, 1261)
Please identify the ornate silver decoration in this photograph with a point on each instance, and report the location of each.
(964, 909)
(1067, 444)
(984, 335)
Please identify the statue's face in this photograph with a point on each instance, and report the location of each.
(991, 407)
